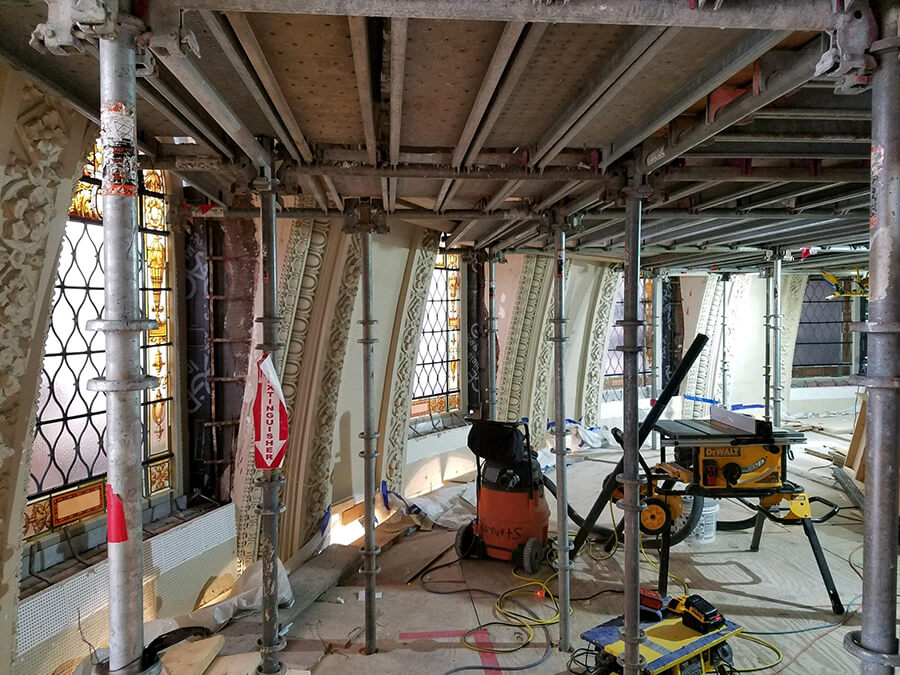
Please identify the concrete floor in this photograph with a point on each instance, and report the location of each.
(775, 589)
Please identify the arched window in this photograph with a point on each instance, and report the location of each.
(68, 462)
(436, 385)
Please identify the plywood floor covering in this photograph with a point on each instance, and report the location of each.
(775, 589)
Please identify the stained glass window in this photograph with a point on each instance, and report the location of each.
(436, 385)
(613, 361)
(68, 465)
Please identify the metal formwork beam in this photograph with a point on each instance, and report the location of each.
(209, 98)
(359, 39)
(781, 197)
(499, 61)
(737, 174)
(746, 51)
(814, 15)
(734, 196)
(783, 80)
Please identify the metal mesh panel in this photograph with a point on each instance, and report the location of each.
(824, 340)
(176, 564)
(436, 381)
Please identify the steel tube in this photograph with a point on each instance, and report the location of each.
(879, 610)
(271, 481)
(122, 324)
(212, 101)
(656, 375)
(632, 662)
(370, 435)
(724, 358)
(776, 340)
(767, 369)
(492, 339)
(563, 564)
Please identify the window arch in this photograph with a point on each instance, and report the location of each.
(68, 463)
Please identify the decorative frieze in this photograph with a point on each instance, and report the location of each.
(603, 301)
(405, 347)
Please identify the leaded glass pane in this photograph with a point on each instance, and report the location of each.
(437, 377)
(68, 456)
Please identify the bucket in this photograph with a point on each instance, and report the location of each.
(705, 532)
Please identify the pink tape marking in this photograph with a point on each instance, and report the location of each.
(482, 641)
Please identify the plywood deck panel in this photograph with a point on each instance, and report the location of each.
(312, 59)
(567, 59)
(445, 64)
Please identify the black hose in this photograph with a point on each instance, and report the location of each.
(573, 514)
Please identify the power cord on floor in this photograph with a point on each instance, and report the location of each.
(680, 581)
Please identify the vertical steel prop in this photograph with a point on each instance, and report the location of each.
(370, 436)
(724, 359)
(563, 564)
(122, 325)
(492, 339)
(776, 341)
(767, 369)
(656, 375)
(270, 482)
(631, 660)
(876, 644)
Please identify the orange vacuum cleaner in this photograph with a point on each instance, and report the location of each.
(512, 515)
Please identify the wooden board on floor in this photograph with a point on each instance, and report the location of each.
(856, 453)
(402, 563)
(316, 576)
(236, 664)
(192, 658)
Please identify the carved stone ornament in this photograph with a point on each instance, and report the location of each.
(317, 494)
(299, 277)
(520, 350)
(40, 149)
(700, 379)
(407, 348)
(600, 326)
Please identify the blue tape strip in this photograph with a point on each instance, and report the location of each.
(700, 399)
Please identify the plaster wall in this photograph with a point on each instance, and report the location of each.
(389, 254)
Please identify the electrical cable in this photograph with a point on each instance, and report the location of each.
(768, 645)
(680, 581)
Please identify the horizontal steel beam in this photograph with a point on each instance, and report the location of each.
(736, 174)
(430, 171)
(746, 50)
(812, 114)
(784, 79)
(400, 214)
(791, 15)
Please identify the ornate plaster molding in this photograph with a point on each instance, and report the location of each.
(522, 346)
(542, 384)
(699, 383)
(603, 302)
(510, 349)
(298, 280)
(41, 146)
(406, 347)
(317, 494)
(793, 289)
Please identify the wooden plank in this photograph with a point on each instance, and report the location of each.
(850, 488)
(316, 576)
(236, 664)
(857, 450)
(192, 658)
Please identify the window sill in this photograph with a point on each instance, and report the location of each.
(426, 426)
(54, 559)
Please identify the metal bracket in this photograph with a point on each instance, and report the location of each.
(364, 216)
(167, 31)
(847, 58)
(558, 221)
(853, 644)
(70, 22)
